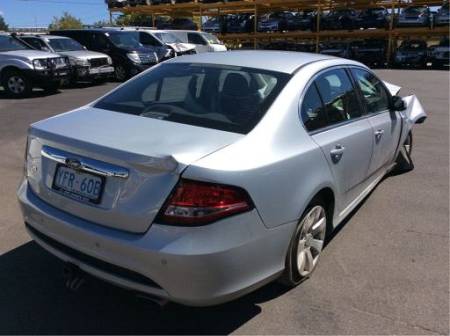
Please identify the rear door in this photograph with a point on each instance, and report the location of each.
(386, 125)
(340, 129)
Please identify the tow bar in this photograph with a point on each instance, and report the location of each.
(74, 277)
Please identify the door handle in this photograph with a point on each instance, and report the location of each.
(337, 153)
(378, 134)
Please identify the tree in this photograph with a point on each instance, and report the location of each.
(134, 20)
(66, 21)
(102, 23)
(3, 25)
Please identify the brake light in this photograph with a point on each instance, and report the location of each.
(198, 203)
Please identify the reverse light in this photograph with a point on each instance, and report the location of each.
(199, 203)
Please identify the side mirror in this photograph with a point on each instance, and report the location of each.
(397, 104)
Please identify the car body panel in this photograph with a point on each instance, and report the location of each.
(152, 162)
(217, 262)
(412, 17)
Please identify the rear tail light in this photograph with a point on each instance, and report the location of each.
(199, 203)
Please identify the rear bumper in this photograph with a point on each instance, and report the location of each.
(198, 266)
(442, 20)
(412, 23)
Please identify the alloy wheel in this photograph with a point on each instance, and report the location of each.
(16, 84)
(311, 240)
(121, 73)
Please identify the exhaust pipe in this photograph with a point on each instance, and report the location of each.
(74, 277)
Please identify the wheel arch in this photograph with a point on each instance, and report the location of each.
(8, 68)
(327, 195)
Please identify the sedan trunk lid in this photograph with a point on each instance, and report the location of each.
(148, 154)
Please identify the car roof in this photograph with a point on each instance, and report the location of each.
(279, 61)
(99, 30)
(182, 31)
(49, 37)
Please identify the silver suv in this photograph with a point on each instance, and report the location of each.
(86, 64)
(22, 68)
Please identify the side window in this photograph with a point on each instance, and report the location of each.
(339, 96)
(312, 110)
(196, 39)
(375, 96)
(147, 39)
(36, 43)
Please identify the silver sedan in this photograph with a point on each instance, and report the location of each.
(210, 175)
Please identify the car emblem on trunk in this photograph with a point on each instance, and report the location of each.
(74, 163)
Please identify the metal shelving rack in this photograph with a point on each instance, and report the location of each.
(259, 7)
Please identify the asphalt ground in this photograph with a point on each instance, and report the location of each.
(386, 271)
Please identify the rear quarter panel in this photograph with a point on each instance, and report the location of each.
(278, 163)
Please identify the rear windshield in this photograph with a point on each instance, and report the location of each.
(226, 98)
(415, 10)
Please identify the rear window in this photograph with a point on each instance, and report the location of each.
(415, 10)
(226, 98)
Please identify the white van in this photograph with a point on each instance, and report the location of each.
(204, 42)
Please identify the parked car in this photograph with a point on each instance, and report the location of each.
(85, 64)
(116, 3)
(212, 25)
(375, 17)
(170, 40)
(178, 23)
(305, 20)
(415, 16)
(442, 17)
(371, 52)
(134, 3)
(242, 23)
(148, 38)
(277, 21)
(22, 68)
(129, 56)
(203, 42)
(439, 55)
(344, 49)
(340, 18)
(291, 46)
(191, 217)
(411, 53)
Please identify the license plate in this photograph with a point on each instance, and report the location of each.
(79, 185)
(101, 70)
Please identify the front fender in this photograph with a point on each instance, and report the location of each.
(413, 114)
(414, 110)
(17, 63)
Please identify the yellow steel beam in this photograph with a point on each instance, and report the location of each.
(369, 33)
(248, 6)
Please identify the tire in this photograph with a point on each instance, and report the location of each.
(306, 244)
(51, 88)
(121, 73)
(16, 84)
(404, 162)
